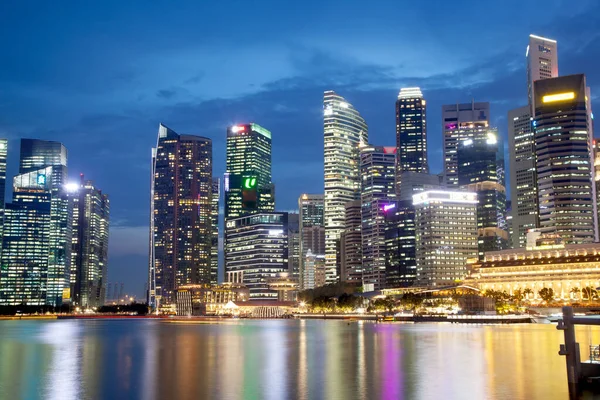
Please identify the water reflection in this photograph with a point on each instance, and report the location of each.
(281, 360)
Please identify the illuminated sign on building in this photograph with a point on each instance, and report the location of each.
(439, 195)
(388, 207)
(249, 183)
(551, 98)
(41, 180)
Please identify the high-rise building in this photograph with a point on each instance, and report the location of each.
(256, 250)
(446, 236)
(214, 251)
(410, 183)
(312, 231)
(596, 147)
(411, 130)
(563, 142)
(181, 214)
(46, 161)
(344, 130)
(89, 254)
(542, 63)
(294, 245)
(26, 241)
(3, 156)
(460, 122)
(400, 245)
(350, 244)
(521, 150)
(248, 186)
(481, 170)
(314, 270)
(377, 177)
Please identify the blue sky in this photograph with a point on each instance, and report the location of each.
(100, 75)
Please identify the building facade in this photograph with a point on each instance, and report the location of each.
(312, 230)
(461, 122)
(564, 167)
(256, 249)
(89, 253)
(294, 246)
(542, 63)
(181, 214)
(446, 236)
(411, 131)
(351, 269)
(481, 170)
(3, 156)
(314, 270)
(214, 251)
(344, 130)
(248, 160)
(377, 177)
(400, 244)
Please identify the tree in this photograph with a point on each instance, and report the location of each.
(547, 294)
(527, 291)
(589, 293)
(348, 302)
(517, 296)
(576, 291)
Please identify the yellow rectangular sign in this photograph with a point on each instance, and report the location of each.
(551, 98)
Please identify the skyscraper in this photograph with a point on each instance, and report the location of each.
(446, 236)
(563, 142)
(256, 249)
(26, 241)
(214, 251)
(521, 150)
(411, 130)
(344, 129)
(542, 63)
(351, 270)
(400, 244)
(89, 255)
(312, 231)
(377, 176)
(181, 214)
(481, 170)
(3, 155)
(248, 157)
(294, 245)
(460, 122)
(47, 161)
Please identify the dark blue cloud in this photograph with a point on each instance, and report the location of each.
(100, 76)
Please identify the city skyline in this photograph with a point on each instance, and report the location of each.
(293, 115)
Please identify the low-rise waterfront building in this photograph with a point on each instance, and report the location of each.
(204, 299)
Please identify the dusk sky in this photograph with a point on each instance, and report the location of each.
(100, 76)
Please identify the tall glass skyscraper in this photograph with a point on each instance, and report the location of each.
(3, 156)
(312, 231)
(411, 130)
(377, 180)
(460, 122)
(89, 255)
(481, 170)
(344, 130)
(563, 143)
(181, 214)
(214, 253)
(248, 156)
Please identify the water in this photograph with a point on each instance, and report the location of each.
(281, 359)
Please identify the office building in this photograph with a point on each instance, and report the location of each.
(400, 244)
(181, 209)
(26, 242)
(344, 130)
(377, 177)
(294, 246)
(460, 122)
(351, 270)
(411, 130)
(563, 143)
(521, 150)
(314, 270)
(89, 254)
(39, 185)
(256, 249)
(3, 156)
(410, 183)
(248, 186)
(481, 170)
(446, 236)
(542, 63)
(214, 251)
(312, 230)
(596, 148)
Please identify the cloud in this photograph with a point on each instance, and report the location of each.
(166, 94)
